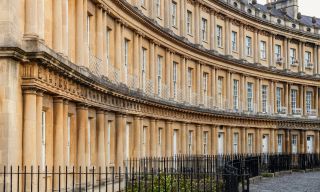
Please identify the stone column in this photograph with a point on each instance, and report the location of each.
(228, 90)
(40, 15)
(317, 101)
(168, 132)
(229, 139)
(198, 139)
(258, 95)
(286, 97)
(212, 30)
(167, 10)
(272, 140)
(31, 19)
(39, 108)
(65, 131)
(137, 135)
(182, 18)
(100, 29)
(213, 86)
(301, 145)
(257, 141)
(316, 135)
(184, 138)
(100, 137)
(301, 57)
(302, 100)
(272, 100)
(120, 139)
(287, 141)
(198, 78)
(65, 30)
(168, 65)
(58, 156)
(183, 76)
(315, 59)
(118, 46)
(318, 53)
(242, 42)
(227, 35)
(152, 66)
(256, 56)
(57, 26)
(196, 23)
(287, 54)
(214, 137)
(243, 140)
(82, 123)
(79, 40)
(271, 50)
(153, 137)
(136, 56)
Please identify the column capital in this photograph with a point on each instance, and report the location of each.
(82, 106)
(100, 111)
(58, 99)
(29, 90)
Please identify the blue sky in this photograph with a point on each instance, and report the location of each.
(306, 7)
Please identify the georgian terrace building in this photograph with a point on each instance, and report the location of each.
(95, 82)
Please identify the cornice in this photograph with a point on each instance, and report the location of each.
(163, 32)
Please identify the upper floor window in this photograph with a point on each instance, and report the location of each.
(175, 79)
(309, 101)
(235, 94)
(204, 30)
(205, 87)
(263, 50)
(234, 40)
(294, 100)
(158, 8)
(189, 83)
(278, 99)
(108, 46)
(219, 36)
(159, 75)
(220, 99)
(143, 68)
(277, 52)
(248, 46)
(189, 22)
(250, 96)
(307, 58)
(264, 98)
(126, 58)
(292, 58)
(174, 13)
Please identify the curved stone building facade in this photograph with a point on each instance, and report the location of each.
(95, 82)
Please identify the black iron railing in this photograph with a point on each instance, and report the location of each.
(180, 173)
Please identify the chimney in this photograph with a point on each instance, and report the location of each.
(291, 7)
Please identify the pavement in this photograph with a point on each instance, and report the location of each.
(295, 182)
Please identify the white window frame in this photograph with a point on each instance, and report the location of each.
(204, 26)
(277, 52)
(294, 93)
(159, 75)
(307, 58)
(175, 79)
(220, 90)
(189, 22)
(205, 87)
(126, 60)
(189, 82)
(174, 13)
(143, 67)
(250, 96)
(234, 40)
(236, 94)
(158, 8)
(248, 46)
(309, 101)
(219, 36)
(263, 50)
(278, 99)
(292, 56)
(264, 100)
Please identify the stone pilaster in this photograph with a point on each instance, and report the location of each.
(100, 152)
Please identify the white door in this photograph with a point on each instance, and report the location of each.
(280, 143)
(175, 135)
(265, 139)
(309, 144)
(220, 143)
